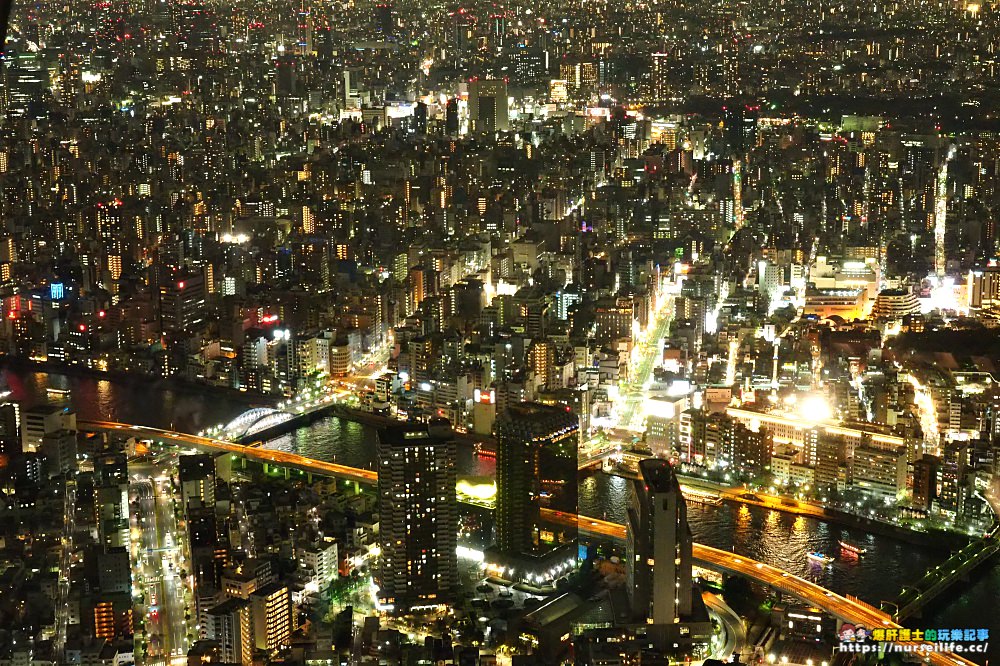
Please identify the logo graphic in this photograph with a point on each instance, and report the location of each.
(850, 633)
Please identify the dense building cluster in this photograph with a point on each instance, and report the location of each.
(754, 245)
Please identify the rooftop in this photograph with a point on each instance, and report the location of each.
(658, 475)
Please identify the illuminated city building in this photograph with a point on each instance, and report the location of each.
(418, 515)
(229, 624)
(488, 106)
(536, 468)
(273, 617)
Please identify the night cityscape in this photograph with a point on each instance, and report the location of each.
(605, 333)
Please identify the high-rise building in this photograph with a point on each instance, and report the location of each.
(488, 111)
(451, 122)
(383, 19)
(613, 319)
(462, 22)
(418, 514)
(536, 471)
(879, 472)
(114, 571)
(419, 288)
(831, 450)
(658, 547)
(111, 470)
(532, 309)
(751, 450)
(660, 87)
(10, 429)
(658, 557)
(984, 287)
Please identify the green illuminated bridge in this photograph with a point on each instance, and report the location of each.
(847, 609)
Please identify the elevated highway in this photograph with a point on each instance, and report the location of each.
(254, 452)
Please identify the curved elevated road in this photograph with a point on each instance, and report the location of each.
(209, 444)
(844, 608)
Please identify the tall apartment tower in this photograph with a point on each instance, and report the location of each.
(418, 514)
(658, 547)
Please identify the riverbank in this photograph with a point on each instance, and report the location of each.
(342, 411)
(933, 538)
(22, 365)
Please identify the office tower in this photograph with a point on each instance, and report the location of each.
(286, 75)
(498, 28)
(229, 624)
(741, 128)
(418, 514)
(536, 471)
(417, 288)
(352, 87)
(613, 319)
(658, 546)
(197, 477)
(383, 19)
(182, 303)
(488, 106)
(462, 23)
(273, 617)
(529, 64)
(558, 91)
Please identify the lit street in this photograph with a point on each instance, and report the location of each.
(645, 360)
(158, 559)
